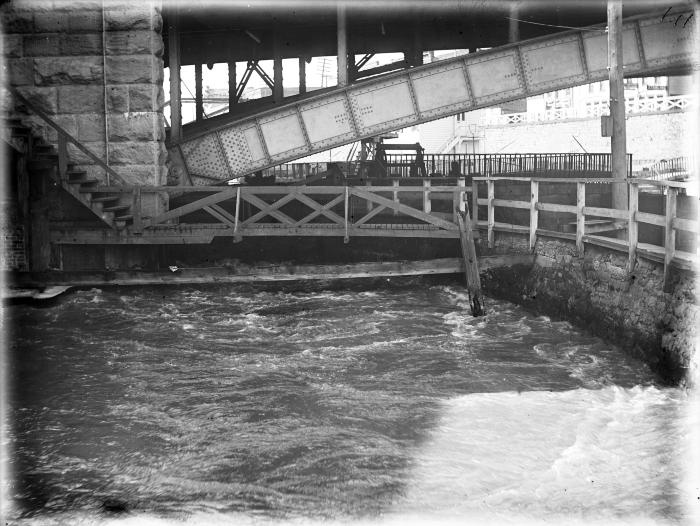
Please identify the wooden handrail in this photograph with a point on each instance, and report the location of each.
(63, 133)
(630, 217)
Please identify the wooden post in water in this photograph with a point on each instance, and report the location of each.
(471, 263)
(632, 226)
(670, 241)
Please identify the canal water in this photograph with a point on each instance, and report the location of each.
(240, 405)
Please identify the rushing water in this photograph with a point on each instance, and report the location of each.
(236, 405)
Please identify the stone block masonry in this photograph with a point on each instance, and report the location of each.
(596, 291)
(105, 88)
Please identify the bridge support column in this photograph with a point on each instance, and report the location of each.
(198, 95)
(342, 46)
(232, 86)
(277, 82)
(302, 75)
(175, 96)
(618, 142)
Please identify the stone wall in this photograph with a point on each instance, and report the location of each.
(597, 292)
(105, 89)
(13, 254)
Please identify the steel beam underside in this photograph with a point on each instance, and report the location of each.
(421, 94)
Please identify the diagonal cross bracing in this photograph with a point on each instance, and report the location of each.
(346, 114)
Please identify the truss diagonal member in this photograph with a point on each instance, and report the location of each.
(369, 215)
(320, 209)
(244, 80)
(192, 207)
(403, 209)
(222, 215)
(268, 209)
(263, 75)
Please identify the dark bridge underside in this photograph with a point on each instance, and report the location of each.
(212, 34)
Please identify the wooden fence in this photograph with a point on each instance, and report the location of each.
(629, 219)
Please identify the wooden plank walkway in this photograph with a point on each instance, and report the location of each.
(282, 272)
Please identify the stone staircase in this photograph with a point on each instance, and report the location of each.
(42, 157)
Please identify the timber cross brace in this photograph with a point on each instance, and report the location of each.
(320, 211)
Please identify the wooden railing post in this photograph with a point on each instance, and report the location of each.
(137, 224)
(670, 243)
(534, 197)
(346, 239)
(461, 182)
(475, 203)
(491, 222)
(395, 184)
(370, 204)
(236, 234)
(580, 217)
(632, 226)
(427, 206)
(62, 156)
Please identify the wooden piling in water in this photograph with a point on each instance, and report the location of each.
(471, 265)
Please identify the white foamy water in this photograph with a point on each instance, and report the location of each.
(394, 406)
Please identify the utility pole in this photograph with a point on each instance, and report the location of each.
(618, 141)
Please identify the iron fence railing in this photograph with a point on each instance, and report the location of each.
(512, 163)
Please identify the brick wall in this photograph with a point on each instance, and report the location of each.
(104, 89)
(597, 292)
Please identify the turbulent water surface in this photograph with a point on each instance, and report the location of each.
(230, 405)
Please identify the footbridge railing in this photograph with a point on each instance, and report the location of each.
(417, 208)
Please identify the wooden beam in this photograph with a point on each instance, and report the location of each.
(580, 216)
(192, 207)
(369, 215)
(395, 184)
(320, 209)
(137, 224)
(347, 199)
(618, 141)
(670, 241)
(490, 212)
(236, 225)
(603, 212)
(632, 226)
(412, 212)
(471, 266)
(426, 197)
(534, 213)
(269, 209)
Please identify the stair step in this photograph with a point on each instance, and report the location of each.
(116, 208)
(87, 182)
(40, 164)
(105, 199)
(127, 217)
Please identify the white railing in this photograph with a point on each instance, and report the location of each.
(633, 105)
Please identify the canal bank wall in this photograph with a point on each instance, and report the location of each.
(597, 292)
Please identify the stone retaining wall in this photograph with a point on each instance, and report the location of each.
(597, 292)
(104, 89)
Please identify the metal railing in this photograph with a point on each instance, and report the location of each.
(63, 139)
(498, 164)
(594, 109)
